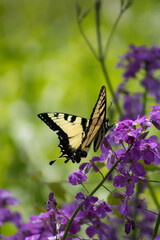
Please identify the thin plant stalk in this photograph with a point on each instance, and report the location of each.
(156, 226)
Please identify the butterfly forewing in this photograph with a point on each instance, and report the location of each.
(96, 121)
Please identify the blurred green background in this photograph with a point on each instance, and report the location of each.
(45, 65)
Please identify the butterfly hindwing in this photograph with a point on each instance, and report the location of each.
(70, 130)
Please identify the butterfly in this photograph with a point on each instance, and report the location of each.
(77, 133)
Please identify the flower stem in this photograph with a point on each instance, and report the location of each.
(135, 209)
(104, 70)
(112, 33)
(101, 56)
(144, 101)
(156, 226)
(105, 178)
(97, 16)
(70, 221)
(84, 36)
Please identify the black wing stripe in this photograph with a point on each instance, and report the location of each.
(45, 118)
(66, 116)
(84, 124)
(73, 118)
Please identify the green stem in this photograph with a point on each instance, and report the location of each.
(105, 178)
(99, 40)
(144, 101)
(156, 226)
(112, 33)
(93, 192)
(135, 209)
(85, 37)
(101, 57)
(70, 221)
(104, 70)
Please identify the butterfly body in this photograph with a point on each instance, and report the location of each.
(76, 133)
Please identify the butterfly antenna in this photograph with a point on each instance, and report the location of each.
(51, 162)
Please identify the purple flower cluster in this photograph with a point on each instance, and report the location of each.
(51, 225)
(139, 63)
(6, 215)
(135, 151)
(132, 135)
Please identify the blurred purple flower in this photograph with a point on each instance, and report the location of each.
(6, 198)
(99, 228)
(77, 177)
(144, 60)
(129, 224)
(157, 238)
(142, 204)
(6, 215)
(155, 115)
(132, 105)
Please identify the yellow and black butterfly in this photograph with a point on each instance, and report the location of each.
(76, 133)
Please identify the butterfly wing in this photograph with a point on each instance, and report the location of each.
(96, 127)
(70, 130)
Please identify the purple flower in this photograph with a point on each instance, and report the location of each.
(77, 177)
(126, 180)
(130, 163)
(43, 224)
(51, 203)
(142, 204)
(150, 150)
(144, 123)
(123, 207)
(152, 85)
(88, 201)
(157, 238)
(132, 105)
(113, 156)
(148, 60)
(155, 116)
(6, 198)
(99, 228)
(88, 166)
(130, 224)
(6, 215)
(125, 131)
(101, 208)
